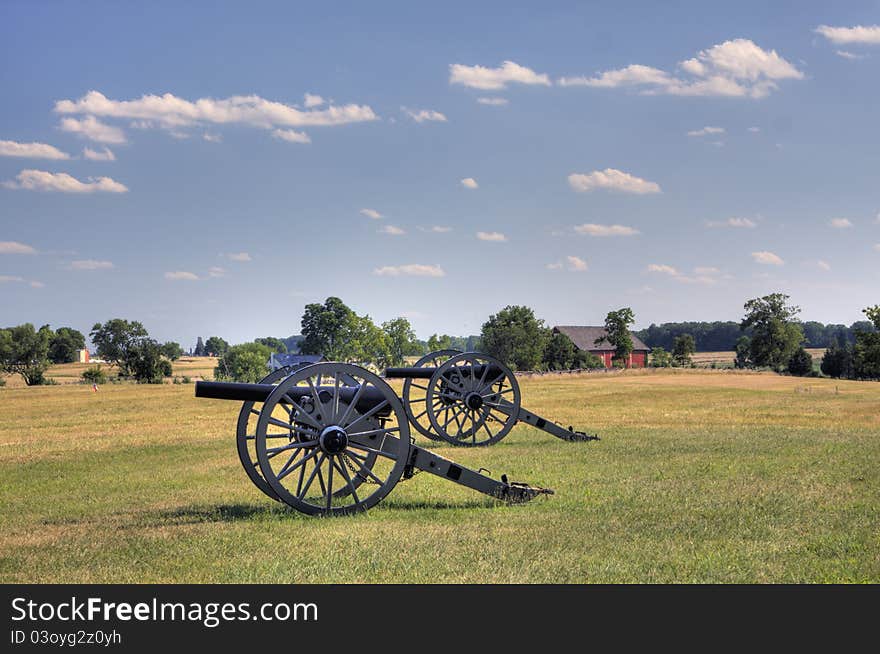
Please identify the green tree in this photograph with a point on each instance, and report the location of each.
(683, 350)
(365, 343)
(399, 338)
(145, 363)
(560, 353)
(25, 351)
(743, 348)
(216, 346)
(801, 363)
(776, 335)
(274, 344)
(115, 339)
(617, 333)
(438, 342)
(65, 344)
(516, 337)
(172, 351)
(866, 351)
(243, 363)
(326, 327)
(660, 358)
(838, 361)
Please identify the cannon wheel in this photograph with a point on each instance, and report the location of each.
(465, 408)
(245, 436)
(414, 401)
(315, 472)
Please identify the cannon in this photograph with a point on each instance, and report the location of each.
(334, 438)
(472, 400)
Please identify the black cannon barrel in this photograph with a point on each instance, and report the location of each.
(239, 392)
(426, 373)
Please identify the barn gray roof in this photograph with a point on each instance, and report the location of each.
(585, 338)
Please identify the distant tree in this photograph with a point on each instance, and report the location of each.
(115, 339)
(144, 362)
(866, 351)
(438, 342)
(560, 352)
(243, 363)
(838, 361)
(516, 337)
(801, 363)
(274, 344)
(325, 328)
(399, 338)
(216, 346)
(683, 350)
(776, 334)
(366, 343)
(25, 351)
(200, 348)
(617, 333)
(65, 344)
(743, 348)
(660, 358)
(171, 350)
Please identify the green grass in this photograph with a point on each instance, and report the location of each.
(700, 477)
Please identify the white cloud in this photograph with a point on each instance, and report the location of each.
(469, 182)
(212, 138)
(767, 258)
(169, 111)
(423, 115)
(392, 230)
(216, 271)
(91, 264)
(40, 180)
(840, 223)
(576, 264)
(754, 130)
(35, 284)
(823, 265)
(865, 34)
(852, 56)
(178, 275)
(496, 237)
(93, 129)
(662, 268)
(105, 155)
(312, 100)
(31, 150)
(437, 229)
(371, 213)
(291, 136)
(592, 229)
(411, 269)
(493, 102)
(495, 79)
(706, 130)
(736, 68)
(10, 278)
(613, 180)
(746, 223)
(238, 256)
(706, 270)
(14, 247)
(877, 247)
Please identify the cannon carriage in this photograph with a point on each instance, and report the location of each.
(332, 438)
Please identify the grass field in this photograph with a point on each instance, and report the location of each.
(701, 476)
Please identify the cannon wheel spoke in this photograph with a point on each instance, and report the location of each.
(415, 393)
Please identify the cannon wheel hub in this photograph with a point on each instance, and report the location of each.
(474, 401)
(333, 440)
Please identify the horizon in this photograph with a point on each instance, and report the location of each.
(222, 170)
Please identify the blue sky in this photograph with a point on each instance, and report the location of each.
(676, 159)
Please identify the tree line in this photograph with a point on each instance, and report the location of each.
(721, 336)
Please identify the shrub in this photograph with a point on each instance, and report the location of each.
(94, 375)
(186, 380)
(801, 363)
(2, 381)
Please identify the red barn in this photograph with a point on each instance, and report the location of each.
(584, 338)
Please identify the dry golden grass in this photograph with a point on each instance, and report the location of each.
(71, 373)
(701, 476)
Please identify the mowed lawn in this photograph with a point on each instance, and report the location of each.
(700, 476)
